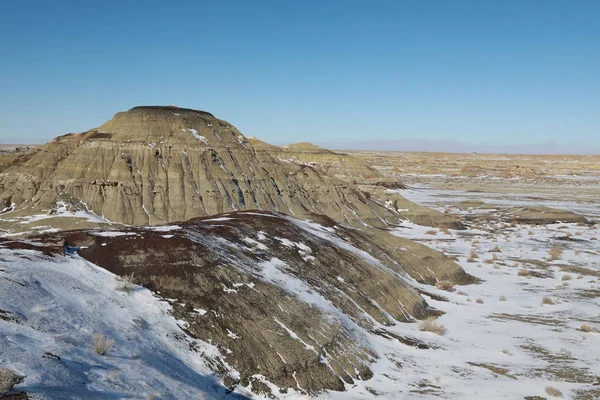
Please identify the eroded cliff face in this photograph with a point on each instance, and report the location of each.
(152, 165)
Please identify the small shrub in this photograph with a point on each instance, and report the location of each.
(547, 300)
(508, 353)
(444, 230)
(431, 232)
(479, 301)
(495, 249)
(567, 277)
(445, 285)
(102, 344)
(8, 379)
(462, 293)
(126, 283)
(555, 252)
(554, 392)
(489, 261)
(473, 255)
(524, 272)
(502, 298)
(430, 325)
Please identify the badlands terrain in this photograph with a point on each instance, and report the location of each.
(212, 265)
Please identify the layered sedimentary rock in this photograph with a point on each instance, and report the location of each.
(152, 165)
(336, 164)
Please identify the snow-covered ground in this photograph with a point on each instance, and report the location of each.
(59, 304)
(502, 342)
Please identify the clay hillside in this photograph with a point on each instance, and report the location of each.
(154, 165)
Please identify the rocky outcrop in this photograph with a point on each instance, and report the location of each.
(407, 210)
(288, 300)
(542, 215)
(152, 165)
(338, 165)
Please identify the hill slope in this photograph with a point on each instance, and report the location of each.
(284, 304)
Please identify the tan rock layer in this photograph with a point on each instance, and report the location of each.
(152, 165)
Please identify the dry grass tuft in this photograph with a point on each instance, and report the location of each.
(431, 232)
(502, 298)
(547, 300)
(445, 230)
(473, 255)
(462, 293)
(555, 252)
(567, 277)
(495, 249)
(554, 392)
(430, 325)
(8, 379)
(479, 301)
(126, 283)
(102, 344)
(489, 261)
(588, 328)
(524, 272)
(445, 285)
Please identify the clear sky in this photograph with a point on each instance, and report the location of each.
(504, 73)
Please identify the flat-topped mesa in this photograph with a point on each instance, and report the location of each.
(162, 124)
(153, 165)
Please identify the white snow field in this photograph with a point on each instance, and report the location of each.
(502, 341)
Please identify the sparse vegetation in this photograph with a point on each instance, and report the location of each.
(430, 325)
(502, 298)
(473, 255)
(101, 344)
(479, 301)
(8, 379)
(524, 272)
(445, 285)
(567, 277)
(431, 232)
(555, 252)
(548, 301)
(554, 392)
(462, 293)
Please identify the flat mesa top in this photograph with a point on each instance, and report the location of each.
(173, 109)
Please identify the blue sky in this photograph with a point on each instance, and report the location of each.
(500, 73)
